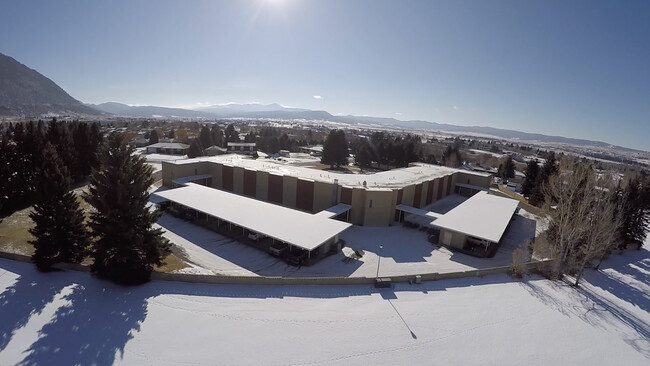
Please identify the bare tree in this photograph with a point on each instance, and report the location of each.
(584, 217)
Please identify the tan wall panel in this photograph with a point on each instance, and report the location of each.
(475, 180)
(238, 180)
(408, 193)
(173, 171)
(378, 209)
(262, 186)
(324, 196)
(358, 206)
(289, 187)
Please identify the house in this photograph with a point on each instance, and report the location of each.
(246, 148)
(168, 148)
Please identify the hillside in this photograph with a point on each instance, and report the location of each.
(27, 93)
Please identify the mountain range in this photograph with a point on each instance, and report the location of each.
(26, 93)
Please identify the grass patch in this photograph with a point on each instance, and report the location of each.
(14, 233)
(172, 264)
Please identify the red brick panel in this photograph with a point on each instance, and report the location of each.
(418, 196)
(250, 182)
(346, 195)
(227, 178)
(429, 193)
(305, 195)
(441, 182)
(275, 188)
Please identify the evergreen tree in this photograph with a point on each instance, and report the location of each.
(335, 149)
(231, 134)
(126, 247)
(507, 169)
(205, 137)
(153, 137)
(59, 135)
(59, 221)
(217, 135)
(195, 150)
(636, 214)
(532, 173)
(549, 169)
(363, 157)
(452, 157)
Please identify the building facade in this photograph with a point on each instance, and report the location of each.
(372, 198)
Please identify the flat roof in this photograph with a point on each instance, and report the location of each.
(334, 210)
(170, 145)
(395, 178)
(295, 227)
(482, 216)
(418, 211)
(192, 178)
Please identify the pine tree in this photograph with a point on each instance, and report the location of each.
(635, 213)
(59, 220)
(195, 150)
(153, 137)
(532, 173)
(205, 137)
(126, 247)
(363, 156)
(549, 169)
(217, 135)
(335, 149)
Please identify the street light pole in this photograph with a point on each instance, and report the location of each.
(379, 259)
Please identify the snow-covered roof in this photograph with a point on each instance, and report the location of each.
(418, 211)
(192, 178)
(295, 227)
(169, 145)
(334, 210)
(482, 216)
(395, 178)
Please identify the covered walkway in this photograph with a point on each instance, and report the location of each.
(312, 234)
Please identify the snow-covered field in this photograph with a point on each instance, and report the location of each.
(71, 318)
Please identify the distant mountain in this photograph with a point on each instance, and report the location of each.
(26, 93)
(249, 107)
(491, 131)
(275, 111)
(124, 110)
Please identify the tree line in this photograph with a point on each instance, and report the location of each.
(22, 148)
(41, 162)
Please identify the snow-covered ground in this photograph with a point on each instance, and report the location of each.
(406, 251)
(71, 318)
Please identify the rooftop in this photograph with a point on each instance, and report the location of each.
(396, 178)
(170, 145)
(295, 227)
(482, 216)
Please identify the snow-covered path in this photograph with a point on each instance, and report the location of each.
(72, 318)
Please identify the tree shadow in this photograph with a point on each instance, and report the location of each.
(596, 310)
(24, 299)
(92, 328)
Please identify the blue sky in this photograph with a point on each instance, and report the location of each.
(571, 68)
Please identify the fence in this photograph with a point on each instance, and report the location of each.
(536, 266)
